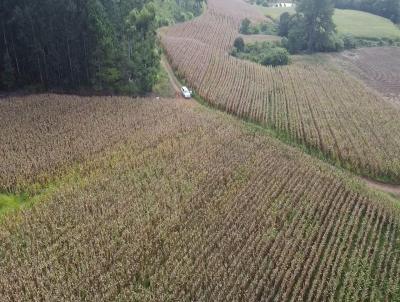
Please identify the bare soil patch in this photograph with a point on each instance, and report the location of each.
(388, 188)
(379, 68)
(174, 81)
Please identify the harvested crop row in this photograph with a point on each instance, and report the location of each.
(196, 207)
(377, 67)
(319, 107)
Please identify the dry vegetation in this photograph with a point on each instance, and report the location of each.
(43, 134)
(320, 108)
(166, 200)
(193, 206)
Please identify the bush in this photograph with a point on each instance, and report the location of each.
(349, 42)
(264, 53)
(265, 28)
(276, 56)
(330, 44)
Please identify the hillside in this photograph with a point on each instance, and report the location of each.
(377, 67)
(322, 109)
(184, 204)
(357, 23)
(270, 184)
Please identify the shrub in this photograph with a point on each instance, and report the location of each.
(349, 42)
(276, 56)
(264, 53)
(265, 28)
(330, 43)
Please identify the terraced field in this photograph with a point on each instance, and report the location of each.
(183, 204)
(320, 108)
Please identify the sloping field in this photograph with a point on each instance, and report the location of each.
(364, 25)
(318, 107)
(44, 133)
(188, 204)
(359, 24)
(379, 68)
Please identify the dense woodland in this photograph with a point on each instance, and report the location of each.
(69, 45)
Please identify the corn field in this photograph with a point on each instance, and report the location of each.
(42, 135)
(322, 108)
(185, 204)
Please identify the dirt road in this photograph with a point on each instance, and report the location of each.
(388, 188)
(174, 81)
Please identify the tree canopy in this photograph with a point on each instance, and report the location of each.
(318, 22)
(70, 45)
(311, 28)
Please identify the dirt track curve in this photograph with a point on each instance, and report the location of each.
(388, 188)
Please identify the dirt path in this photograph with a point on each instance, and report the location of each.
(174, 81)
(388, 188)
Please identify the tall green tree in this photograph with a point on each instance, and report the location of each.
(284, 24)
(103, 57)
(319, 25)
(245, 26)
(143, 56)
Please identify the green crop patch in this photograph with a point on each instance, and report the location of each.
(10, 202)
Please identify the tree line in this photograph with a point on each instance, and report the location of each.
(103, 45)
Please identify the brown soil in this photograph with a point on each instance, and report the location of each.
(174, 81)
(387, 188)
(378, 67)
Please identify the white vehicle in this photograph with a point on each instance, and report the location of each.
(186, 93)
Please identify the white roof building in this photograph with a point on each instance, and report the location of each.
(283, 4)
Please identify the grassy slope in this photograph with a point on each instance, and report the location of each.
(365, 25)
(357, 23)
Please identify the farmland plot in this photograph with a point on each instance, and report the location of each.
(192, 206)
(379, 68)
(321, 108)
(43, 134)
